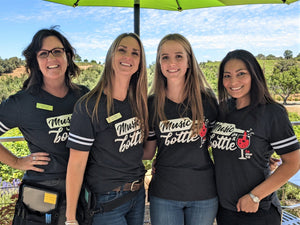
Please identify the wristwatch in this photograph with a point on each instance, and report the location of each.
(254, 198)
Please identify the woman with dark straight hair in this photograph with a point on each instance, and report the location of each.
(251, 126)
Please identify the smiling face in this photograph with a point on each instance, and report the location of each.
(126, 59)
(53, 68)
(173, 61)
(237, 82)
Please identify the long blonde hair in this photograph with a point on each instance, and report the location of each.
(137, 91)
(195, 84)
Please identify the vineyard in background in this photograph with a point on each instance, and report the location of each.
(285, 73)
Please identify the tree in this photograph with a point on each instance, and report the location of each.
(77, 58)
(8, 65)
(298, 57)
(15, 61)
(93, 61)
(260, 56)
(150, 75)
(288, 54)
(285, 79)
(270, 57)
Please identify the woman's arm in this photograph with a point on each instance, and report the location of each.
(149, 150)
(26, 162)
(290, 165)
(75, 172)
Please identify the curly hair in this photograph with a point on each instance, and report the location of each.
(35, 80)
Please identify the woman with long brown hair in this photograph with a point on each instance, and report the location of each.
(182, 108)
(108, 129)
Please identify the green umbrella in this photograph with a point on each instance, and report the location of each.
(174, 5)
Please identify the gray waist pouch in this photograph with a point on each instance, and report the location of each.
(38, 199)
(37, 205)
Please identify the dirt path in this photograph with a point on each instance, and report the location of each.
(293, 108)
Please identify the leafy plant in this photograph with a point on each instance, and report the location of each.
(8, 198)
(18, 148)
(10, 85)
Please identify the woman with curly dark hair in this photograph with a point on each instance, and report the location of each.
(42, 111)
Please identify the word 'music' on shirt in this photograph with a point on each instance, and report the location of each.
(130, 132)
(177, 131)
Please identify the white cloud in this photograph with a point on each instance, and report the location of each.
(214, 30)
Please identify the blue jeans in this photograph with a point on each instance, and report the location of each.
(130, 213)
(163, 211)
(261, 217)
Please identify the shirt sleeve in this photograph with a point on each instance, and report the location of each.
(283, 138)
(152, 135)
(81, 135)
(9, 115)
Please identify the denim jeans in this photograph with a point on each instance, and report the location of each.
(261, 217)
(130, 213)
(164, 211)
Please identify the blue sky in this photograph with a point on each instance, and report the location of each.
(266, 29)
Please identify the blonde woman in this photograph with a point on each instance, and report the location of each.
(106, 138)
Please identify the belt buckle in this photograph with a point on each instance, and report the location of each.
(132, 184)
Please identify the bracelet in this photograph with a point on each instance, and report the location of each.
(71, 222)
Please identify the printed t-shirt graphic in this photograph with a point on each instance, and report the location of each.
(114, 144)
(44, 121)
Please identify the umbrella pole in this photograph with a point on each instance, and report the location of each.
(137, 18)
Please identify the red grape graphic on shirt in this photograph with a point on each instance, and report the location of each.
(203, 130)
(243, 142)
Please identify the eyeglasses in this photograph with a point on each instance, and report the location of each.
(56, 52)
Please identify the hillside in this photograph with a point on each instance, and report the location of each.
(17, 72)
(90, 75)
(21, 70)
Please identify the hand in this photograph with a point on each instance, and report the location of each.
(29, 162)
(71, 222)
(274, 163)
(246, 204)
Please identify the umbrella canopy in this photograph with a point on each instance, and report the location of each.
(174, 5)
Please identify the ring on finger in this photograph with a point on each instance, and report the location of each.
(34, 158)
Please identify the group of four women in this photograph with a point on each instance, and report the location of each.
(116, 125)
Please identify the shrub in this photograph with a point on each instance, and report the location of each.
(8, 198)
(19, 148)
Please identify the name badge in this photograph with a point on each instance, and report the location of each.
(44, 106)
(114, 117)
